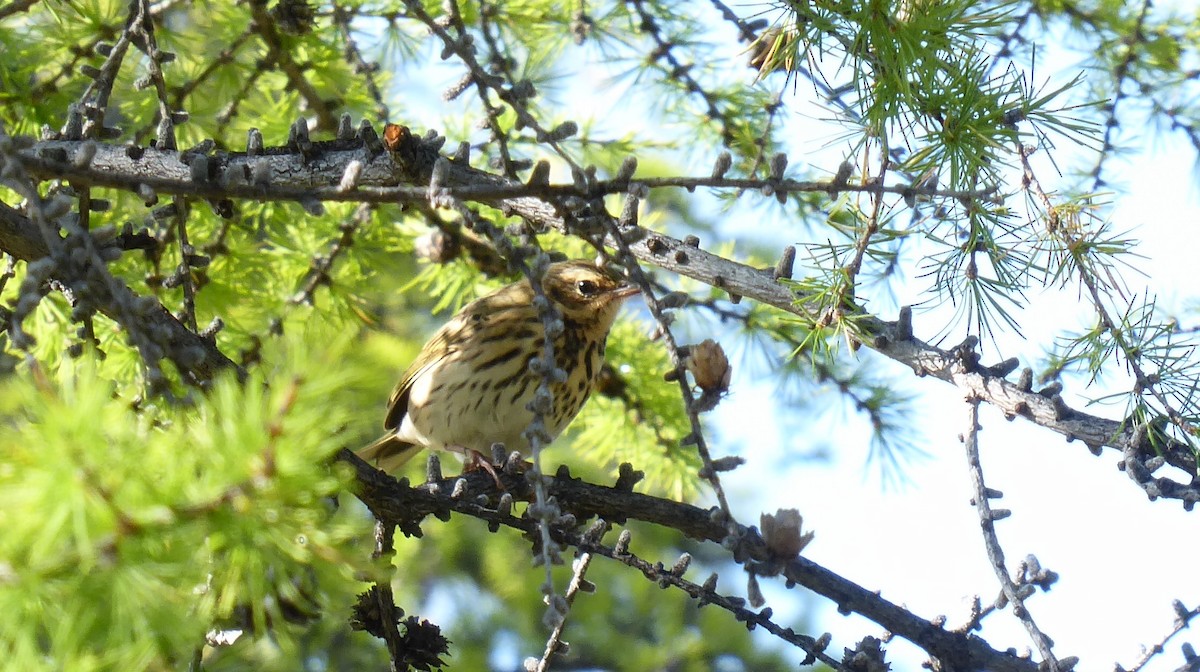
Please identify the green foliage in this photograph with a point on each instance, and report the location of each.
(130, 532)
(913, 65)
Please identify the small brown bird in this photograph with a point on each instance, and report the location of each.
(471, 383)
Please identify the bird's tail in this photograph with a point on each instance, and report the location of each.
(388, 452)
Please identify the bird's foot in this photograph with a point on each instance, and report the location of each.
(477, 460)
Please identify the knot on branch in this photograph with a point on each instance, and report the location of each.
(966, 355)
(867, 656)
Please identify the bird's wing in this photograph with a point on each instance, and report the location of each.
(444, 342)
(451, 338)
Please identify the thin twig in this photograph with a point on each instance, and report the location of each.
(554, 643)
(1183, 618)
(987, 520)
(384, 599)
(626, 258)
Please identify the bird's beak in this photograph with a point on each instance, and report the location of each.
(624, 292)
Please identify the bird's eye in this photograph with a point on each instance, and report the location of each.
(587, 288)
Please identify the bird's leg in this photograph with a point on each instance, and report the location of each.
(477, 460)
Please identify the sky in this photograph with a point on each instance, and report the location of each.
(1121, 559)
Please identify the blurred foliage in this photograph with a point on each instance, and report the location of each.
(131, 531)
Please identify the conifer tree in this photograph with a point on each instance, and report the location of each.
(228, 227)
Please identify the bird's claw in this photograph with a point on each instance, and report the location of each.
(477, 460)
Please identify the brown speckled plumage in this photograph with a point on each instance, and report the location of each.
(471, 383)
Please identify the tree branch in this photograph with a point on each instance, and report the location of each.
(312, 173)
(406, 507)
(988, 516)
(20, 237)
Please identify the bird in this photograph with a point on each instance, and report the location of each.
(472, 382)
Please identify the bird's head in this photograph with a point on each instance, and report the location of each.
(585, 293)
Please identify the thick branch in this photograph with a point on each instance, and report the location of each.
(20, 238)
(397, 503)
